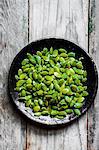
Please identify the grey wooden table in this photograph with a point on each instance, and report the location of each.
(23, 21)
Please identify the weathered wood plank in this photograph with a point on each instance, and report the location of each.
(96, 137)
(93, 113)
(92, 51)
(67, 19)
(78, 27)
(13, 36)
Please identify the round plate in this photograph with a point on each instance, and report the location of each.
(89, 65)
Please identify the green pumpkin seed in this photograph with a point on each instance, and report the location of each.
(19, 72)
(51, 71)
(44, 87)
(59, 117)
(45, 113)
(72, 103)
(57, 87)
(62, 60)
(71, 54)
(62, 50)
(77, 112)
(23, 93)
(35, 75)
(85, 93)
(26, 70)
(74, 87)
(49, 78)
(41, 102)
(37, 114)
(36, 108)
(54, 112)
(56, 69)
(58, 75)
(16, 77)
(62, 70)
(31, 58)
(51, 86)
(78, 105)
(20, 83)
(40, 92)
(69, 111)
(80, 99)
(65, 91)
(36, 102)
(45, 50)
(64, 76)
(63, 55)
(29, 81)
(28, 103)
(84, 79)
(70, 72)
(61, 81)
(51, 50)
(48, 82)
(55, 53)
(85, 73)
(62, 113)
(52, 63)
(54, 107)
(63, 107)
(79, 65)
(31, 75)
(44, 73)
(24, 62)
(39, 53)
(29, 86)
(46, 58)
(62, 102)
(68, 99)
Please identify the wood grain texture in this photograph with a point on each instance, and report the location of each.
(92, 51)
(96, 137)
(93, 113)
(59, 18)
(13, 36)
(28, 20)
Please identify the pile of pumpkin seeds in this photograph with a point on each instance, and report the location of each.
(52, 83)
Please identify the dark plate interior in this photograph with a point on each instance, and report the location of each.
(88, 63)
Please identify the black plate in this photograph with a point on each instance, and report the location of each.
(88, 63)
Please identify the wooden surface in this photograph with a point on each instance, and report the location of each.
(23, 21)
